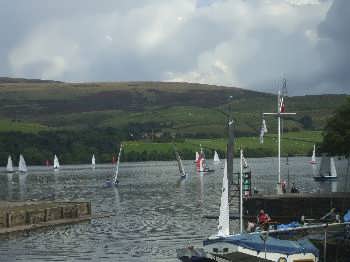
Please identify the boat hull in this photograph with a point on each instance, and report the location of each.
(238, 253)
(191, 254)
(325, 178)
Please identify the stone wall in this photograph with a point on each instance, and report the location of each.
(41, 212)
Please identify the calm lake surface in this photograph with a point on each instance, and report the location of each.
(154, 212)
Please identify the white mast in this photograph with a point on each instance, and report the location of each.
(241, 193)
(279, 137)
(279, 114)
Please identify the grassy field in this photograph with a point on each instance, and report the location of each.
(293, 143)
(13, 126)
(45, 117)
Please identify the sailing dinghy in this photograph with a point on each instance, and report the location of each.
(22, 167)
(313, 157)
(216, 157)
(327, 169)
(197, 157)
(183, 173)
(56, 163)
(201, 164)
(93, 162)
(9, 167)
(115, 179)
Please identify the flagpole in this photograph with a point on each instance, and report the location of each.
(280, 113)
(241, 193)
(279, 142)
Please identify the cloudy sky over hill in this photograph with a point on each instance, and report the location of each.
(246, 43)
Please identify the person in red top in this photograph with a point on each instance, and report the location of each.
(263, 218)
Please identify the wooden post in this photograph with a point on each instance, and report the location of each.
(46, 214)
(8, 219)
(77, 210)
(89, 208)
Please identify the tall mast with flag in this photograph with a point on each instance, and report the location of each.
(281, 111)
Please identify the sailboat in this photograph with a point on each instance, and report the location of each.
(180, 164)
(56, 164)
(115, 179)
(197, 157)
(313, 157)
(327, 169)
(93, 162)
(216, 157)
(9, 167)
(252, 246)
(201, 163)
(22, 167)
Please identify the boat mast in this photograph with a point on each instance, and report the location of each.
(280, 113)
(279, 137)
(241, 193)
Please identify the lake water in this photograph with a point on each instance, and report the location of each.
(154, 211)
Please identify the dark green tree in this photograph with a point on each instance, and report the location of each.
(336, 136)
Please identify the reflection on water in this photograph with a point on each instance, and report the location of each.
(155, 212)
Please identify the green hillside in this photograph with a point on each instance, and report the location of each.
(76, 120)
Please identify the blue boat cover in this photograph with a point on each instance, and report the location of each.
(256, 242)
(347, 216)
(287, 226)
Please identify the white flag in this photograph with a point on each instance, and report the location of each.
(264, 126)
(263, 130)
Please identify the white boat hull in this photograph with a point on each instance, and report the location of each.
(231, 252)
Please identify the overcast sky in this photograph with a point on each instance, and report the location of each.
(251, 44)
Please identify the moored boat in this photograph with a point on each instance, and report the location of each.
(327, 170)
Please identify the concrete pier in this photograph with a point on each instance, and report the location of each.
(18, 216)
(292, 206)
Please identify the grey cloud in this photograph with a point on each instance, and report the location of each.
(242, 43)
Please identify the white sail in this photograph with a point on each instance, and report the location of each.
(56, 164)
(202, 165)
(115, 179)
(9, 167)
(93, 161)
(216, 157)
(224, 223)
(333, 169)
(313, 158)
(197, 156)
(22, 167)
